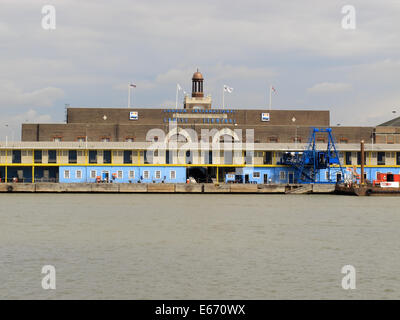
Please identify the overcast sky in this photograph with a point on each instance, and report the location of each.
(299, 47)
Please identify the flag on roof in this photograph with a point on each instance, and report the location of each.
(228, 89)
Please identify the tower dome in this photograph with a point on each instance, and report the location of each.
(197, 76)
(197, 85)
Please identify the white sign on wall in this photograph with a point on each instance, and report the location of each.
(133, 115)
(389, 184)
(264, 116)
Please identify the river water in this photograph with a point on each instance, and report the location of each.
(155, 246)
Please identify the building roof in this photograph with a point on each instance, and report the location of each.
(47, 145)
(392, 123)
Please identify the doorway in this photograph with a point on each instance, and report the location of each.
(291, 177)
(106, 176)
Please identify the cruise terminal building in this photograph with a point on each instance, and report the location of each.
(196, 142)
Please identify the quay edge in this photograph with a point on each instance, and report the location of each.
(200, 188)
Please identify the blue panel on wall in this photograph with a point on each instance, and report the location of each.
(118, 174)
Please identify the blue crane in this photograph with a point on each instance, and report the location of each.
(309, 163)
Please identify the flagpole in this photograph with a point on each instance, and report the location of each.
(270, 98)
(133, 96)
(129, 96)
(223, 97)
(176, 99)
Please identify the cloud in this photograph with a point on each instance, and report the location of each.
(11, 96)
(298, 46)
(31, 116)
(10, 126)
(329, 87)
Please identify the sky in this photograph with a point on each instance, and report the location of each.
(98, 47)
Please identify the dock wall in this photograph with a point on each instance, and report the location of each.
(161, 188)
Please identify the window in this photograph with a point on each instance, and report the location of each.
(93, 174)
(106, 156)
(282, 175)
(92, 156)
(390, 139)
(52, 156)
(131, 174)
(268, 157)
(155, 153)
(38, 156)
(66, 174)
(348, 158)
(158, 174)
(256, 175)
(57, 139)
(129, 139)
(248, 157)
(72, 156)
(81, 139)
(146, 174)
(320, 140)
(145, 156)
(105, 139)
(127, 156)
(273, 139)
(172, 174)
(359, 158)
(119, 174)
(343, 140)
(327, 175)
(381, 158)
(16, 156)
(78, 174)
(398, 159)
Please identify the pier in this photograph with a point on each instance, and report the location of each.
(165, 188)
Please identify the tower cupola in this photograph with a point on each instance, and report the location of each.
(197, 85)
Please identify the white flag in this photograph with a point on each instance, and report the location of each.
(179, 87)
(228, 89)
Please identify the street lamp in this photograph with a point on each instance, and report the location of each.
(295, 135)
